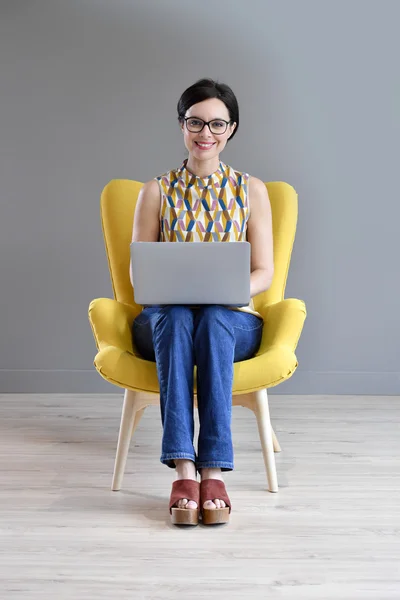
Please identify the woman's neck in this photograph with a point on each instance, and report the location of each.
(202, 168)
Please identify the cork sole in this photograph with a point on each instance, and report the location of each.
(184, 516)
(215, 516)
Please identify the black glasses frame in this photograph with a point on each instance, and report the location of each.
(186, 119)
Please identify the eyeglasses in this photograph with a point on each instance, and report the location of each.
(216, 126)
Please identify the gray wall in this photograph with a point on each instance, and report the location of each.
(88, 93)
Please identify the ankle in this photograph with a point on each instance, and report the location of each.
(211, 474)
(185, 469)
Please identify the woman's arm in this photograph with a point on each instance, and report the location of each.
(259, 234)
(146, 222)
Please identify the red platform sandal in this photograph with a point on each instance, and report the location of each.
(209, 490)
(189, 489)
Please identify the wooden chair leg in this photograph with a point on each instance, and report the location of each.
(277, 447)
(129, 420)
(261, 410)
(138, 416)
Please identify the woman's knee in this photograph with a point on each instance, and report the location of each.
(213, 319)
(213, 314)
(175, 316)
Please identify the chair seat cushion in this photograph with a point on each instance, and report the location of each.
(128, 370)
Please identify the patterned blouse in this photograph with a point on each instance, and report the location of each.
(205, 209)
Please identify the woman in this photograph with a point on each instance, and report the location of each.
(203, 200)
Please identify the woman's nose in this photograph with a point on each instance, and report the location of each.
(206, 132)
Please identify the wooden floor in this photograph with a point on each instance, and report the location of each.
(332, 531)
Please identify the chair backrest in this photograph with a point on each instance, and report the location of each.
(118, 201)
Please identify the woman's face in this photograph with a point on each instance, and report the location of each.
(205, 144)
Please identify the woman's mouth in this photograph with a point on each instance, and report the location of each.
(205, 145)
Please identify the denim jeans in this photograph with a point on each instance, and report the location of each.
(212, 338)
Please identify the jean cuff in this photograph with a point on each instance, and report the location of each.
(215, 464)
(169, 459)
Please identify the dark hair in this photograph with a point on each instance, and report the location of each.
(204, 89)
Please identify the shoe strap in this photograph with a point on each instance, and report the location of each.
(184, 488)
(210, 489)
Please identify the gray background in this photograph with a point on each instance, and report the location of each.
(88, 94)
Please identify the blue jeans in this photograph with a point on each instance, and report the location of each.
(212, 338)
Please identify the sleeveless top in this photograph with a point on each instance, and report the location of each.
(205, 209)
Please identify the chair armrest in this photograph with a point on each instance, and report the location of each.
(112, 322)
(283, 324)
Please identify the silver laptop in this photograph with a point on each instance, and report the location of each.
(193, 273)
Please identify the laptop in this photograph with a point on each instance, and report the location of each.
(192, 273)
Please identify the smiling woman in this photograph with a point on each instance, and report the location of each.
(204, 200)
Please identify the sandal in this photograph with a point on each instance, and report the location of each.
(209, 490)
(184, 488)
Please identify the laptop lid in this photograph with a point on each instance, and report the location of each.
(192, 273)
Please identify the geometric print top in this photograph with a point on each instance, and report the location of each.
(204, 209)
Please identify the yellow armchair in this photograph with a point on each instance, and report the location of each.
(119, 362)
